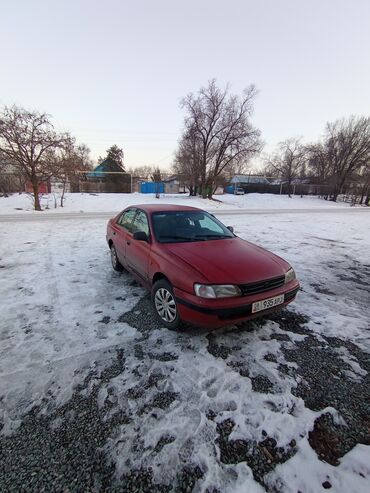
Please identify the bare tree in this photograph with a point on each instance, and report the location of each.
(4, 177)
(188, 161)
(318, 162)
(347, 147)
(221, 127)
(28, 140)
(288, 160)
(73, 160)
(142, 171)
(364, 176)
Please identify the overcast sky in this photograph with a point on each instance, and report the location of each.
(114, 72)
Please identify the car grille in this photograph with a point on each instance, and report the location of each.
(261, 286)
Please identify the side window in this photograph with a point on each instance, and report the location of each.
(140, 223)
(126, 219)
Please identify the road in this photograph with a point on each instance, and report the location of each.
(47, 216)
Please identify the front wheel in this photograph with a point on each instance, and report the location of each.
(165, 305)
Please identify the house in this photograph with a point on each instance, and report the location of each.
(241, 180)
(107, 166)
(108, 176)
(11, 179)
(248, 184)
(44, 187)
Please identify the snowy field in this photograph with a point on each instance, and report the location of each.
(114, 202)
(275, 405)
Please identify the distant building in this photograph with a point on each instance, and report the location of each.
(56, 186)
(108, 176)
(107, 166)
(171, 184)
(11, 178)
(247, 184)
(168, 184)
(136, 183)
(249, 179)
(44, 187)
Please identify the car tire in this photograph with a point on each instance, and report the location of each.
(114, 259)
(165, 305)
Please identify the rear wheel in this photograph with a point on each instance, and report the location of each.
(114, 259)
(165, 305)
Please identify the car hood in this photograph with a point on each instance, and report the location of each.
(229, 261)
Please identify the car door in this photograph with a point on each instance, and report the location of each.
(138, 252)
(122, 233)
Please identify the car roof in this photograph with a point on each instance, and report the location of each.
(163, 207)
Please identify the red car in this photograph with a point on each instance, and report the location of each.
(197, 269)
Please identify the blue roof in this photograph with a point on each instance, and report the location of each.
(107, 166)
(244, 179)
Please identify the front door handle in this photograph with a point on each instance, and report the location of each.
(128, 242)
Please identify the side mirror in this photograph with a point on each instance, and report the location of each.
(140, 236)
(230, 228)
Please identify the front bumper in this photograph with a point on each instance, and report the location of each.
(223, 311)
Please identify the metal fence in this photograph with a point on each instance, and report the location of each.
(283, 188)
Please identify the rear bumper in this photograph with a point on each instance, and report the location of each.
(217, 313)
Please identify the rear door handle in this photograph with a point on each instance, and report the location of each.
(128, 242)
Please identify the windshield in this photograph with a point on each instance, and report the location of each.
(185, 226)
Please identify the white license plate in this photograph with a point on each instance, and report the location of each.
(266, 304)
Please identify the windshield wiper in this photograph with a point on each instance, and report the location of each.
(183, 238)
(216, 237)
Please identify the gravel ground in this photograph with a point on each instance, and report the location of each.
(62, 449)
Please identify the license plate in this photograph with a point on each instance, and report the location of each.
(266, 304)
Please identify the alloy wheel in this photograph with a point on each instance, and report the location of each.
(165, 305)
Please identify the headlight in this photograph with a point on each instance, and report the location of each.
(216, 291)
(289, 276)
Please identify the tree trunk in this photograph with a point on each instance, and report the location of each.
(289, 189)
(208, 188)
(203, 186)
(35, 186)
(3, 190)
(335, 193)
(338, 188)
(63, 192)
(362, 196)
(203, 190)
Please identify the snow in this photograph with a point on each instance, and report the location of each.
(273, 201)
(329, 253)
(305, 472)
(204, 383)
(114, 202)
(60, 308)
(53, 296)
